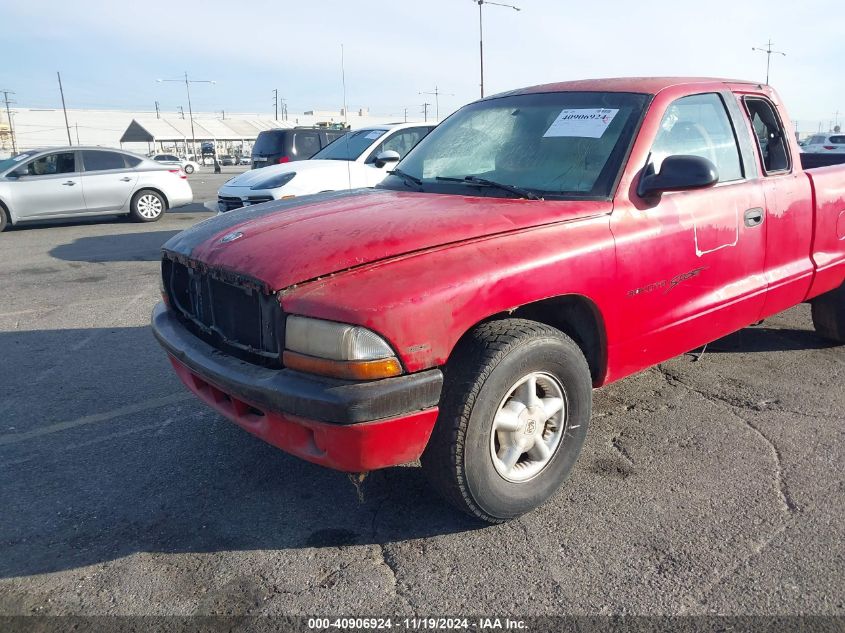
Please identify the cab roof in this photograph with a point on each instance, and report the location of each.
(642, 85)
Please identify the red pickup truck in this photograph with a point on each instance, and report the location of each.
(536, 245)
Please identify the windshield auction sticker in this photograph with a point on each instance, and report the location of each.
(584, 123)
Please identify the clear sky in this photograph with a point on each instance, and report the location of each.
(110, 53)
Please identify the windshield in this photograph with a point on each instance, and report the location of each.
(349, 146)
(8, 163)
(557, 145)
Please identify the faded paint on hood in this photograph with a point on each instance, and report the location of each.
(285, 243)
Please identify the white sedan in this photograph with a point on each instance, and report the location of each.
(188, 166)
(357, 159)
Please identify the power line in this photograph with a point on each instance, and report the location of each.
(188, 83)
(437, 94)
(769, 52)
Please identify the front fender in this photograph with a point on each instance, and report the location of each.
(424, 302)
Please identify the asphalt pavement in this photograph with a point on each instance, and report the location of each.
(705, 487)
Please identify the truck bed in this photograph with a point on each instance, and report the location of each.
(811, 161)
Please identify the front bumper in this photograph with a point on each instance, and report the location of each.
(349, 426)
(231, 198)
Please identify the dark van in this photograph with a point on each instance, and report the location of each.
(282, 146)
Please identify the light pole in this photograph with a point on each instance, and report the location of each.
(188, 83)
(8, 101)
(769, 52)
(481, 33)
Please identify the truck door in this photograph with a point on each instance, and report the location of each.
(789, 209)
(691, 262)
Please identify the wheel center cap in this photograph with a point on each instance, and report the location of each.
(532, 420)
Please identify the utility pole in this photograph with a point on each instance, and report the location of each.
(182, 112)
(158, 114)
(406, 115)
(276, 102)
(769, 52)
(188, 83)
(62, 92)
(425, 111)
(6, 99)
(437, 94)
(481, 34)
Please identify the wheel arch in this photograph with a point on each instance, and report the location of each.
(575, 315)
(154, 189)
(4, 208)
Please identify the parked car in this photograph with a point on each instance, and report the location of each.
(283, 146)
(226, 160)
(67, 182)
(535, 245)
(356, 159)
(188, 166)
(825, 144)
(245, 160)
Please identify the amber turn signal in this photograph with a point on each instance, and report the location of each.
(345, 369)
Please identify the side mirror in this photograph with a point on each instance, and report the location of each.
(17, 173)
(679, 173)
(387, 156)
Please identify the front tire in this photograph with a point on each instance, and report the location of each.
(189, 169)
(513, 418)
(829, 314)
(4, 219)
(147, 206)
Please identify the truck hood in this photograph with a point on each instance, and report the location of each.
(282, 243)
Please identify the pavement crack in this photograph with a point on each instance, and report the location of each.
(784, 495)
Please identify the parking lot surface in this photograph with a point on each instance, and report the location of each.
(714, 486)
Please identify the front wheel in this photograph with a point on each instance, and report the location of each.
(4, 219)
(189, 169)
(513, 418)
(147, 206)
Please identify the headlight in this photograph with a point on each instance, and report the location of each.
(337, 349)
(275, 182)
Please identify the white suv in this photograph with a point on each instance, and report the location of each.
(825, 144)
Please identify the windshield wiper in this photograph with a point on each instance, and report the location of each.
(475, 180)
(406, 177)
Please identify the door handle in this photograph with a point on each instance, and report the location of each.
(125, 179)
(754, 217)
(69, 183)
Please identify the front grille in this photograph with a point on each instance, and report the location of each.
(232, 315)
(229, 203)
(259, 199)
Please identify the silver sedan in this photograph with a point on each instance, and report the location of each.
(87, 181)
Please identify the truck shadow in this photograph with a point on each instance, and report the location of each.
(127, 247)
(768, 339)
(103, 454)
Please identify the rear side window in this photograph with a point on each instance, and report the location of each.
(837, 140)
(102, 161)
(770, 135)
(132, 161)
(61, 163)
(698, 125)
(305, 145)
